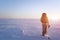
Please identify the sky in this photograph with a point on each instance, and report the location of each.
(29, 8)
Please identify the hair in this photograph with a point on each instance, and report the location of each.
(43, 14)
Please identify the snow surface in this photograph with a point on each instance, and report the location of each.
(26, 29)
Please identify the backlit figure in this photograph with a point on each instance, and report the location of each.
(45, 23)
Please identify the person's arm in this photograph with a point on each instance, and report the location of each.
(48, 23)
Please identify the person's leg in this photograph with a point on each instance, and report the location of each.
(43, 29)
(43, 33)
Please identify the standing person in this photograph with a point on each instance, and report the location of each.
(45, 23)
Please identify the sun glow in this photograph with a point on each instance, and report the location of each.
(54, 17)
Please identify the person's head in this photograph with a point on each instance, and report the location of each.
(44, 14)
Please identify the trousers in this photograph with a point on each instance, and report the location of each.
(44, 29)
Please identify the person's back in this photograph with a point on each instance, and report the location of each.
(45, 23)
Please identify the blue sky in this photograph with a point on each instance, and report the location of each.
(29, 8)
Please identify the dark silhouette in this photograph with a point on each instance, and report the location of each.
(45, 23)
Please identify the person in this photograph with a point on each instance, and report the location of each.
(45, 23)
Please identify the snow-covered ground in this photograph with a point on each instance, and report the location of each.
(26, 29)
